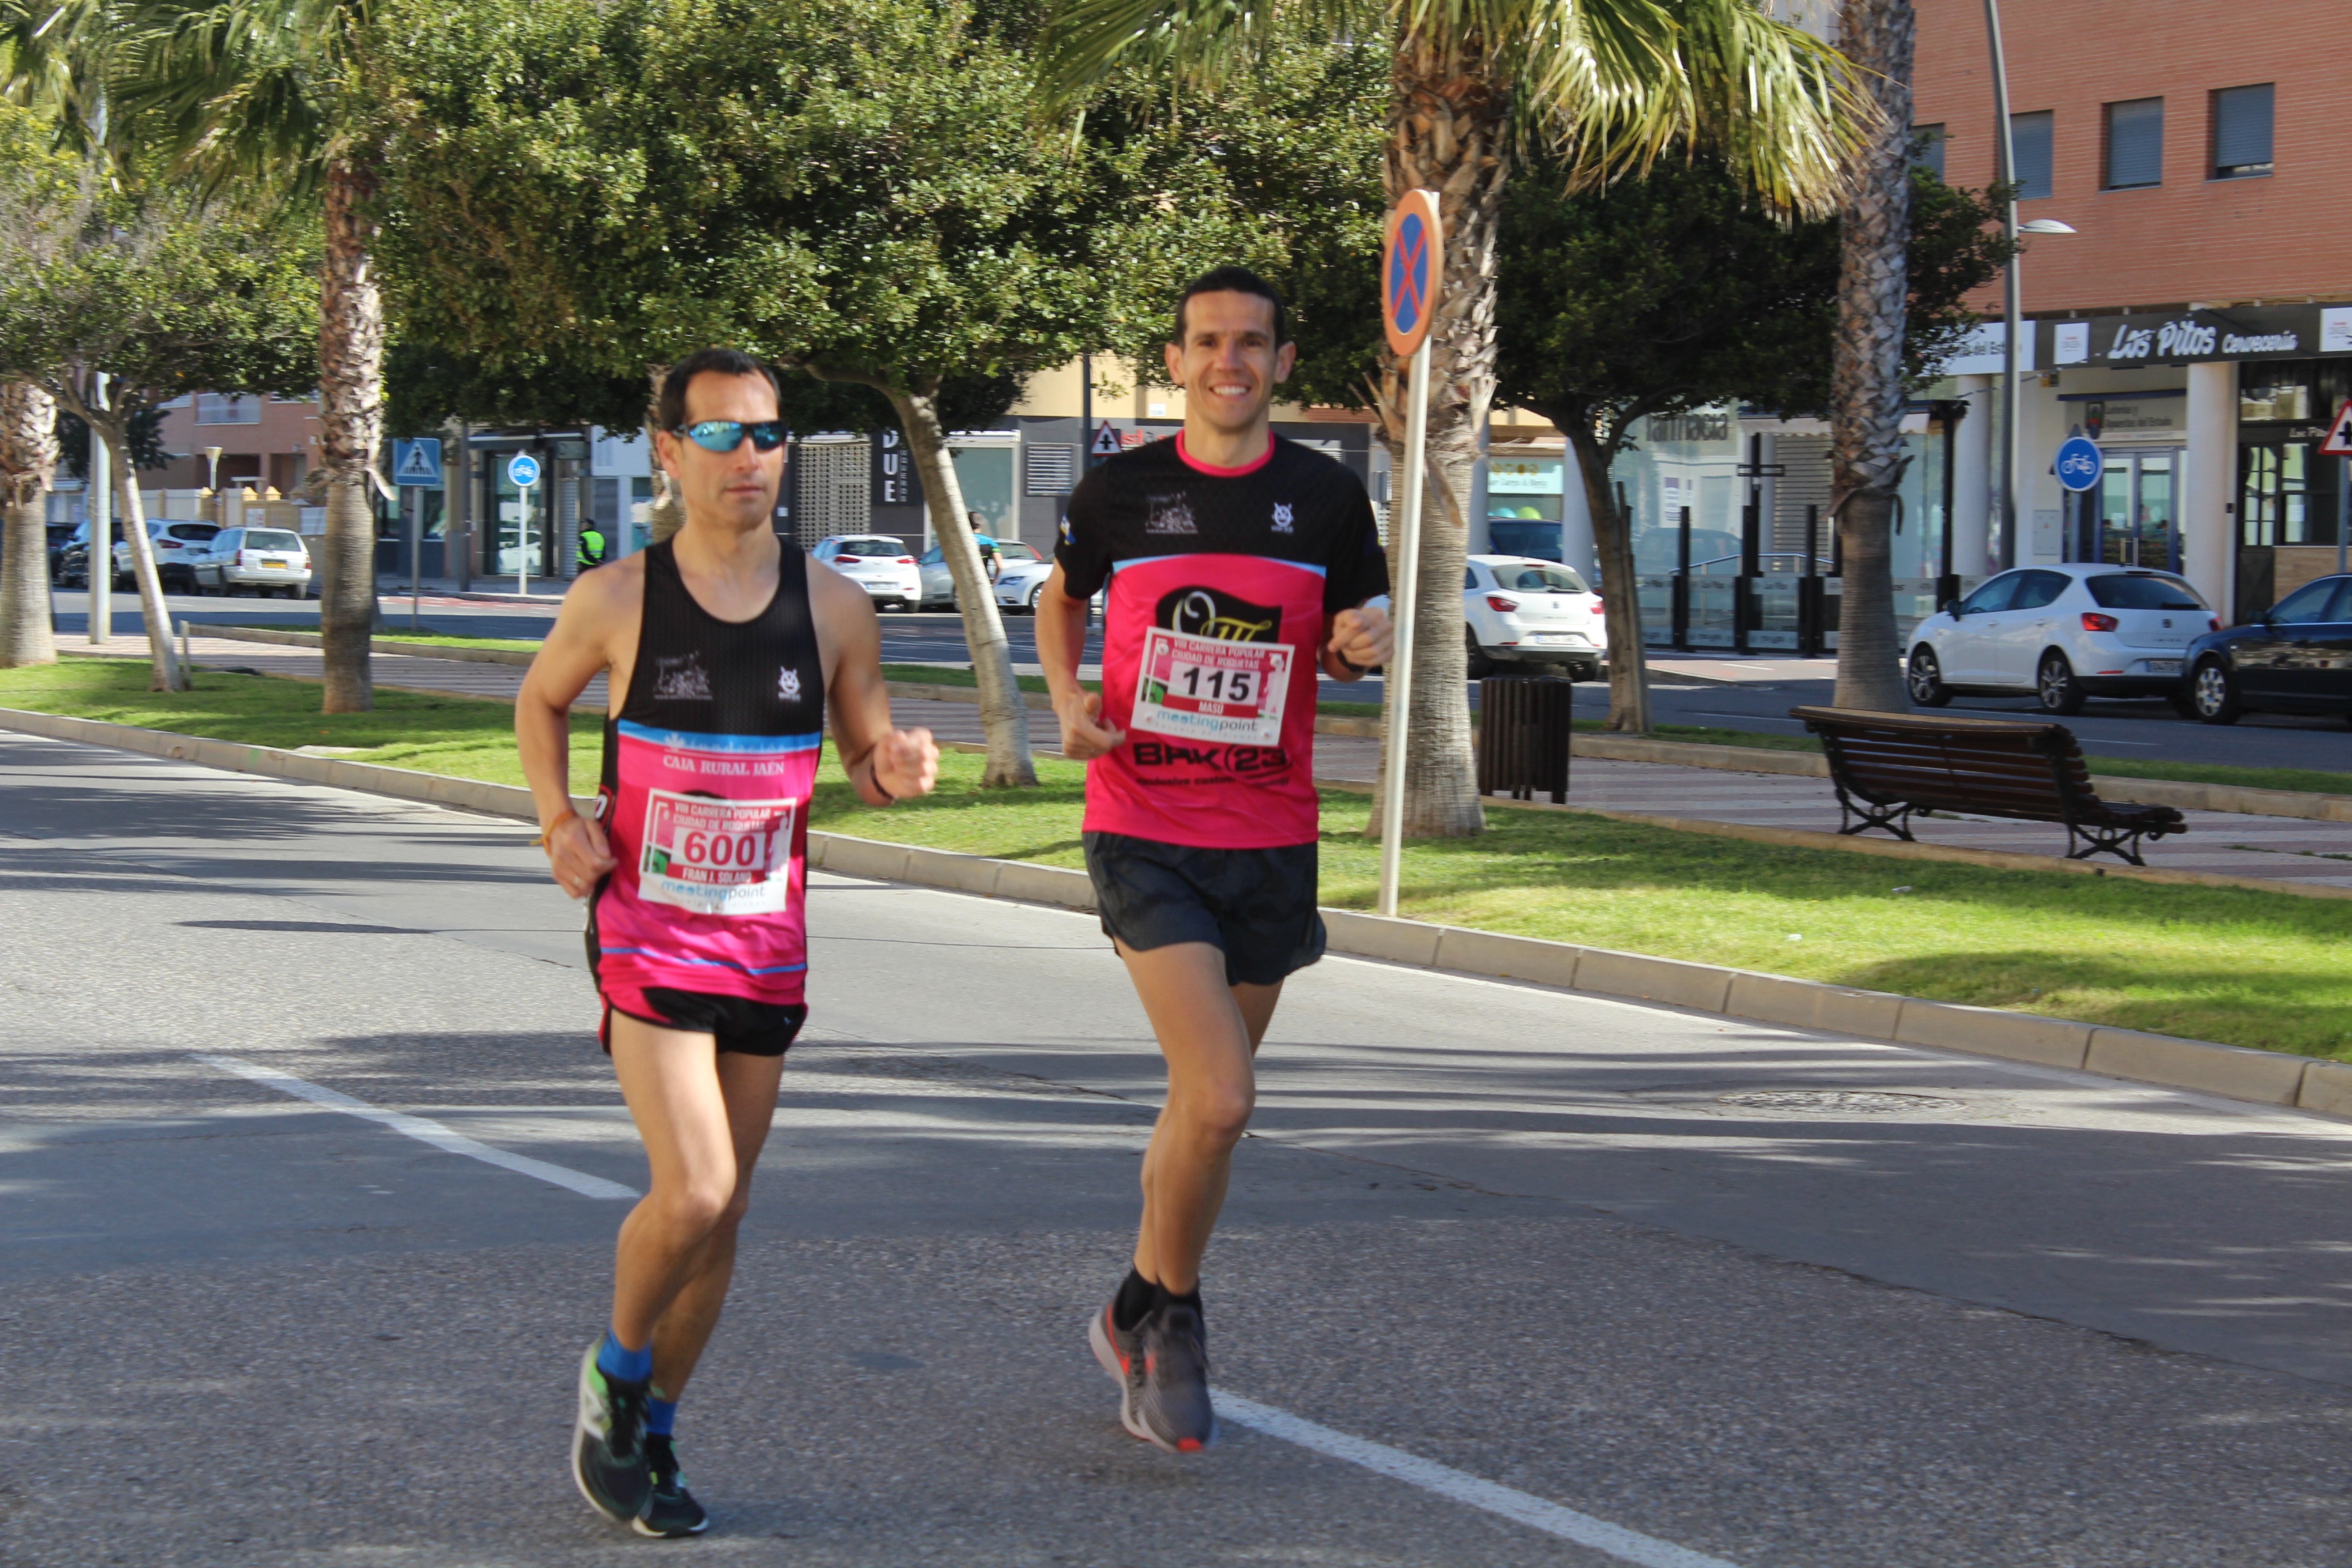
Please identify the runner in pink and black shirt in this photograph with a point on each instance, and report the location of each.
(1237, 564)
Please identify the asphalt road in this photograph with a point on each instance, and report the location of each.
(1550, 1254)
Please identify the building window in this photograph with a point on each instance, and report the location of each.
(2242, 131)
(226, 408)
(2030, 140)
(1052, 468)
(1927, 148)
(2135, 144)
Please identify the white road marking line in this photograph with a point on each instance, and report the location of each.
(1524, 1507)
(423, 1130)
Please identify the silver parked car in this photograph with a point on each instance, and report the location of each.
(263, 561)
(939, 583)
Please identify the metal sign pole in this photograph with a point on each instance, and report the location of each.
(1400, 672)
(522, 541)
(1413, 271)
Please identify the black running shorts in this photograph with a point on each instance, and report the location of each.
(1256, 905)
(737, 1022)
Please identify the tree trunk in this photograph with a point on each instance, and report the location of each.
(351, 427)
(1620, 619)
(169, 675)
(1447, 119)
(1004, 717)
(29, 459)
(668, 513)
(1866, 391)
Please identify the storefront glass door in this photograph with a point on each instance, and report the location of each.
(2133, 516)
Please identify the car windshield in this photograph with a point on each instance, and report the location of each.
(271, 538)
(2143, 591)
(872, 547)
(194, 533)
(1013, 550)
(934, 556)
(1538, 579)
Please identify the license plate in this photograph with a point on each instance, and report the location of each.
(1555, 639)
(2164, 666)
(275, 564)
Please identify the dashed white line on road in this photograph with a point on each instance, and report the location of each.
(422, 1129)
(1524, 1508)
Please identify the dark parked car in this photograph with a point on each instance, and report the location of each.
(2295, 658)
(60, 535)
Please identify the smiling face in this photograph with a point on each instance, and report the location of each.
(734, 491)
(1229, 363)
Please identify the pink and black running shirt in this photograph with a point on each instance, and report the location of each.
(1222, 584)
(708, 773)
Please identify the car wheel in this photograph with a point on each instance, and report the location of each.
(2054, 686)
(2213, 694)
(1034, 594)
(1925, 676)
(1481, 667)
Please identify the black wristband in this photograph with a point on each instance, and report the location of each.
(1351, 664)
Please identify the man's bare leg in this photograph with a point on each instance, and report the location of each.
(1209, 1033)
(703, 1118)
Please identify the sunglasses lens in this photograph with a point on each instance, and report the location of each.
(767, 435)
(716, 435)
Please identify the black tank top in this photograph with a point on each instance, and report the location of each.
(698, 674)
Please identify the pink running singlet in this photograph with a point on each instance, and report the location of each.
(708, 773)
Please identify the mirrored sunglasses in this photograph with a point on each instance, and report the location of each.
(726, 435)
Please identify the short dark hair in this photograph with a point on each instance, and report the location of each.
(670, 408)
(1233, 280)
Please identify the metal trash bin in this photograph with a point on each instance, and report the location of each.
(1523, 730)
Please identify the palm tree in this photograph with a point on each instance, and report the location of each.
(1611, 84)
(260, 91)
(1866, 389)
(29, 459)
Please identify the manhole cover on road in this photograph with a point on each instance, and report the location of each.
(1869, 1101)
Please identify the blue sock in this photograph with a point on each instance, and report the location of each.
(661, 1417)
(614, 1359)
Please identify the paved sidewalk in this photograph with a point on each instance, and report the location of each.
(2220, 843)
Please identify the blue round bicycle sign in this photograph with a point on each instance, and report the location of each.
(2080, 463)
(522, 468)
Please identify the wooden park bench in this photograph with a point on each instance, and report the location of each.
(1886, 766)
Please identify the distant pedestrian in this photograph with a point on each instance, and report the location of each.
(991, 560)
(592, 546)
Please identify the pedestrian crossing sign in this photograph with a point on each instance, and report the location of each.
(418, 462)
(2339, 434)
(1106, 442)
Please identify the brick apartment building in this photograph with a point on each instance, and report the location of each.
(2198, 323)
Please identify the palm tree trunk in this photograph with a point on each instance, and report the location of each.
(668, 513)
(1447, 119)
(1629, 668)
(1004, 717)
(29, 459)
(350, 426)
(169, 676)
(1866, 391)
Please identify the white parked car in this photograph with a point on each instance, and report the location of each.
(263, 561)
(1520, 610)
(2059, 634)
(878, 564)
(176, 546)
(1019, 582)
(938, 583)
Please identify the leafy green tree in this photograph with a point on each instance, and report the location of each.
(873, 193)
(115, 269)
(1609, 85)
(1676, 292)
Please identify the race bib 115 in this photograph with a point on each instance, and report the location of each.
(1206, 688)
(717, 856)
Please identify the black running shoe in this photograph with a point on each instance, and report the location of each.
(1115, 1349)
(670, 1508)
(608, 1448)
(1171, 1397)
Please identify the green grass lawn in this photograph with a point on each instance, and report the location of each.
(466, 736)
(2220, 963)
(395, 630)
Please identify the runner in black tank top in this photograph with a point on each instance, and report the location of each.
(726, 650)
(707, 771)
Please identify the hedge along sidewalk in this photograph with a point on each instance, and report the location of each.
(2268, 1078)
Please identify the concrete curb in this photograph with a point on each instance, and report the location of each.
(378, 645)
(2232, 1072)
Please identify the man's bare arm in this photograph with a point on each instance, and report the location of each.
(883, 764)
(575, 652)
(1061, 643)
